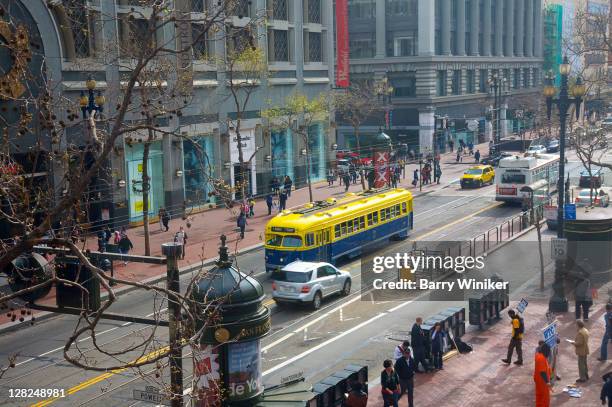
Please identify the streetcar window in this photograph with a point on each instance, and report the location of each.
(309, 239)
(292, 276)
(375, 217)
(369, 219)
(509, 178)
(392, 212)
(292, 241)
(382, 215)
(350, 226)
(343, 227)
(337, 231)
(397, 210)
(403, 207)
(274, 240)
(362, 222)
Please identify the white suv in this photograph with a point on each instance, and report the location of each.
(307, 282)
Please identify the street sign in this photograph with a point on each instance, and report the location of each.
(559, 248)
(151, 394)
(522, 305)
(472, 125)
(570, 211)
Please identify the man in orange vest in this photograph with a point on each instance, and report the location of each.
(542, 376)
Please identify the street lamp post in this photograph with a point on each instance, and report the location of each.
(91, 102)
(497, 84)
(558, 302)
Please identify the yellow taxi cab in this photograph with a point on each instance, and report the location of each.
(478, 176)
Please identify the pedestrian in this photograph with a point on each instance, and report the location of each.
(605, 340)
(542, 376)
(437, 173)
(516, 341)
(437, 345)
(241, 222)
(181, 238)
(353, 173)
(393, 180)
(583, 293)
(399, 350)
(415, 178)
(371, 179)
(244, 207)
(282, 200)
(405, 368)
(459, 156)
(451, 145)
(581, 345)
(606, 390)
(470, 148)
(269, 202)
(117, 237)
(356, 397)
(347, 181)
(101, 241)
(418, 345)
(125, 245)
(288, 183)
(251, 207)
(107, 234)
(389, 383)
(275, 184)
(160, 214)
(477, 156)
(330, 177)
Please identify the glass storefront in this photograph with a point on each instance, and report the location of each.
(199, 170)
(134, 170)
(316, 146)
(282, 154)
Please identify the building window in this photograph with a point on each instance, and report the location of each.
(362, 45)
(314, 47)
(278, 45)
(241, 8)
(471, 81)
(135, 36)
(525, 77)
(403, 46)
(536, 77)
(362, 8)
(81, 23)
(237, 40)
(457, 82)
(453, 28)
(482, 81)
(468, 27)
(203, 48)
(516, 82)
(401, 8)
(198, 6)
(279, 8)
(441, 83)
(507, 77)
(314, 11)
(404, 84)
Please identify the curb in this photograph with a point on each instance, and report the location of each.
(45, 315)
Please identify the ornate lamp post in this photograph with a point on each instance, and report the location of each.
(91, 102)
(384, 91)
(558, 303)
(496, 83)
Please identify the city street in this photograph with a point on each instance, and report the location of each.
(346, 330)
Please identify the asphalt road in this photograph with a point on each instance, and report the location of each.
(345, 330)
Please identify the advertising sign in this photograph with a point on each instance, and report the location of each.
(207, 377)
(342, 44)
(550, 334)
(244, 370)
(381, 169)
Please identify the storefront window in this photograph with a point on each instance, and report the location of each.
(282, 153)
(135, 169)
(316, 146)
(198, 161)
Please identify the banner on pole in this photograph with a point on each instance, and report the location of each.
(342, 44)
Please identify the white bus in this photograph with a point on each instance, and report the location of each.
(515, 172)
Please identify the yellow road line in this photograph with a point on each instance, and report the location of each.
(446, 226)
(103, 376)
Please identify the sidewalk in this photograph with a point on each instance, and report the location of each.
(207, 226)
(481, 379)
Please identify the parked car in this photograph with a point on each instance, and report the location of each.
(477, 176)
(552, 146)
(595, 179)
(305, 282)
(600, 198)
(494, 160)
(535, 149)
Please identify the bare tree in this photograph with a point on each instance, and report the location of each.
(591, 145)
(31, 213)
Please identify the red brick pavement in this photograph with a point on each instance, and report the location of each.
(481, 379)
(207, 226)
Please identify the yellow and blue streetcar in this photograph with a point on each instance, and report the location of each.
(330, 229)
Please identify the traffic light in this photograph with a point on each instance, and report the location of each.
(26, 271)
(69, 296)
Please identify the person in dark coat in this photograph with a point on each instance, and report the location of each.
(606, 390)
(477, 156)
(389, 384)
(125, 244)
(282, 200)
(347, 181)
(417, 336)
(269, 201)
(371, 179)
(241, 222)
(437, 345)
(405, 368)
(288, 183)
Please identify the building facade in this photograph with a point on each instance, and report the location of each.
(553, 40)
(438, 56)
(297, 39)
